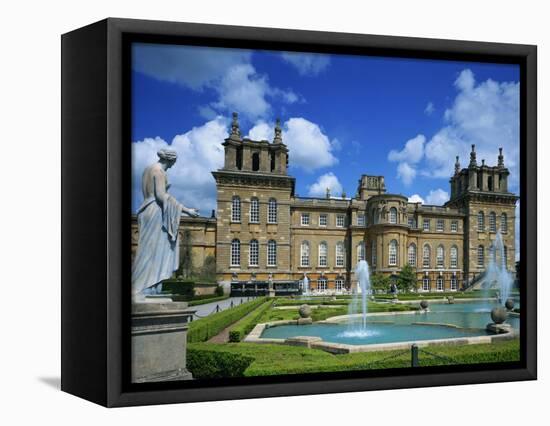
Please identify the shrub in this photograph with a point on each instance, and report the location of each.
(218, 291)
(241, 329)
(206, 364)
(203, 329)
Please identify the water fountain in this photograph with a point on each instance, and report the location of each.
(497, 272)
(305, 283)
(363, 277)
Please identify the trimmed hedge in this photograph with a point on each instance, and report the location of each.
(242, 328)
(203, 329)
(201, 300)
(205, 364)
(185, 289)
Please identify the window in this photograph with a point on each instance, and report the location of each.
(305, 219)
(323, 220)
(256, 161)
(492, 222)
(412, 255)
(411, 222)
(360, 251)
(235, 253)
(454, 226)
(481, 222)
(340, 220)
(323, 251)
(440, 256)
(503, 223)
(272, 211)
(426, 284)
(439, 283)
(392, 253)
(454, 257)
(271, 253)
(254, 210)
(454, 283)
(340, 254)
(426, 224)
(440, 225)
(339, 284)
(236, 209)
(361, 220)
(253, 253)
(426, 254)
(393, 215)
(322, 284)
(373, 253)
(480, 256)
(304, 254)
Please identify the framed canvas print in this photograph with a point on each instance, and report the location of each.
(253, 212)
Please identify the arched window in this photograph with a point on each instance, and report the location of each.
(271, 253)
(323, 252)
(440, 256)
(255, 161)
(253, 252)
(481, 221)
(235, 253)
(392, 253)
(412, 255)
(236, 209)
(426, 256)
(339, 255)
(254, 210)
(492, 222)
(373, 253)
(454, 257)
(304, 254)
(272, 211)
(360, 251)
(393, 215)
(503, 223)
(480, 256)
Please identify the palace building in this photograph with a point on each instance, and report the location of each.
(264, 234)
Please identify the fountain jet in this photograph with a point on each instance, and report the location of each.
(497, 272)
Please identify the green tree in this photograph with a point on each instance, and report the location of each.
(406, 280)
(380, 283)
(208, 270)
(186, 256)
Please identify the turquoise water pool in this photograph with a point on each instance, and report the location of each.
(470, 318)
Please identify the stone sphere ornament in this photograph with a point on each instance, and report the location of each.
(509, 304)
(450, 300)
(499, 315)
(424, 304)
(305, 311)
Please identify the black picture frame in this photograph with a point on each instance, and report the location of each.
(96, 210)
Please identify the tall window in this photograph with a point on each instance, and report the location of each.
(481, 221)
(426, 284)
(480, 256)
(503, 223)
(373, 253)
(412, 255)
(340, 254)
(411, 221)
(426, 224)
(361, 251)
(392, 253)
(305, 219)
(254, 210)
(340, 221)
(272, 211)
(322, 284)
(439, 283)
(440, 256)
(361, 219)
(304, 254)
(454, 257)
(454, 285)
(426, 254)
(253, 250)
(492, 222)
(440, 225)
(454, 226)
(339, 284)
(271, 253)
(323, 220)
(236, 209)
(393, 215)
(235, 253)
(323, 251)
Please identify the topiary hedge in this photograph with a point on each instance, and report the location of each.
(201, 300)
(184, 289)
(203, 329)
(240, 330)
(204, 364)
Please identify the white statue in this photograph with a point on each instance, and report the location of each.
(158, 216)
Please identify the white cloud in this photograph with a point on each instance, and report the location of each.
(307, 63)
(429, 108)
(406, 173)
(415, 198)
(437, 197)
(261, 131)
(407, 158)
(199, 152)
(328, 180)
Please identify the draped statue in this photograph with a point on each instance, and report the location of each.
(158, 218)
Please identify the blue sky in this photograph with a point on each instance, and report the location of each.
(342, 116)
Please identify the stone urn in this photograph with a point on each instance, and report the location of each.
(499, 315)
(305, 311)
(509, 304)
(450, 300)
(424, 304)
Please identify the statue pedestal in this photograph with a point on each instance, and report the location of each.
(499, 328)
(159, 341)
